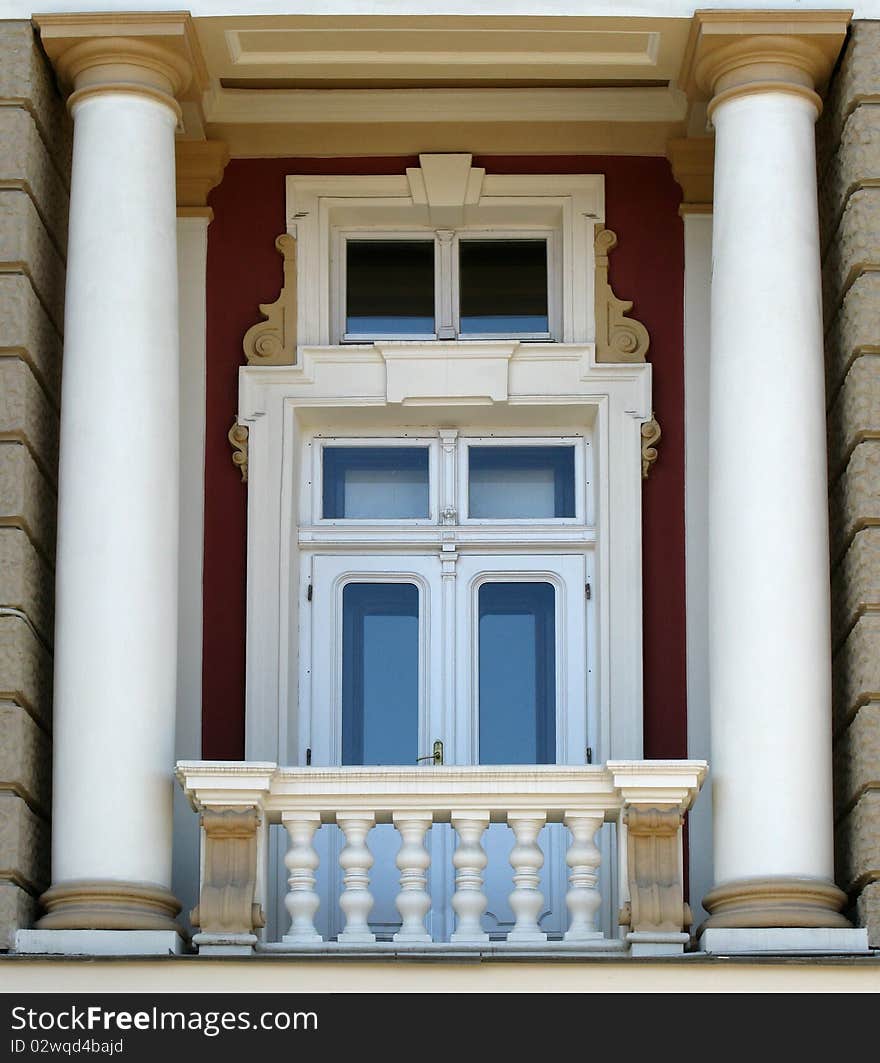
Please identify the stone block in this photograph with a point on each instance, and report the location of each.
(855, 497)
(25, 669)
(855, 164)
(854, 249)
(26, 415)
(26, 498)
(25, 758)
(857, 758)
(26, 331)
(856, 670)
(26, 78)
(855, 413)
(857, 840)
(18, 910)
(25, 163)
(24, 844)
(853, 330)
(26, 247)
(855, 583)
(27, 581)
(856, 81)
(868, 912)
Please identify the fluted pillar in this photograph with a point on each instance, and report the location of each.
(769, 640)
(116, 604)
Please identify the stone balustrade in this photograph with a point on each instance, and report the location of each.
(646, 800)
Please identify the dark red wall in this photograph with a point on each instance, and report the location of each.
(244, 269)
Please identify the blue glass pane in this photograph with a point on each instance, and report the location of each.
(503, 287)
(520, 482)
(389, 287)
(380, 673)
(375, 483)
(503, 323)
(517, 663)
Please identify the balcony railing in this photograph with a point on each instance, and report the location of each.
(646, 800)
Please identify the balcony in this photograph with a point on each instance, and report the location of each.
(644, 803)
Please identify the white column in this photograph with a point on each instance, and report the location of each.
(116, 605)
(769, 642)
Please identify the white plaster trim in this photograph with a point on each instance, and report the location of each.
(192, 249)
(328, 382)
(318, 206)
(697, 289)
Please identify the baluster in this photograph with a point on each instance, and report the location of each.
(583, 858)
(413, 902)
(469, 901)
(301, 860)
(356, 861)
(526, 859)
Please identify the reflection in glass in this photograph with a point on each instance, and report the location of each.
(503, 287)
(517, 673)
(520, 482)
(380, 673)
(375, 483)
(389, 287)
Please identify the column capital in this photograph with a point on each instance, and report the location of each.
(155, 55)
(733, 53)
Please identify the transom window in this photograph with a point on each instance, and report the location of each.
(445, 285)
(501, 479)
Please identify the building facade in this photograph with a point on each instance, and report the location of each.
(465, 497)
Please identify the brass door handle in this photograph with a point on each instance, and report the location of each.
(436, 756)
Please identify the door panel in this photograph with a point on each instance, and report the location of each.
(368, 611)
(521, 696)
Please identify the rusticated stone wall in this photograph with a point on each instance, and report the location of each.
(35, 142)
(849, 197)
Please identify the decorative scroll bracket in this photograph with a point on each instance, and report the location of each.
(227, 913)
(238, 437)
(618, 338)
(273, 341)
(650, 437)
(656, 904)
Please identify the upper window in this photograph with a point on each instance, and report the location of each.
(446, 285)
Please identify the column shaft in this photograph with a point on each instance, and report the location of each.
(116, 625)
(768, 530)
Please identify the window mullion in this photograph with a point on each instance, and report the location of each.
(445, 301)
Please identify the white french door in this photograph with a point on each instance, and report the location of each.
(490, 661)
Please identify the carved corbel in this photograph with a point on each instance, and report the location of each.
(650, 437)
(238, 437)
(656, 903)
(273, 341)
(226, 907)
(618, 338)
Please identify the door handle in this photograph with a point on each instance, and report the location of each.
(436, 756)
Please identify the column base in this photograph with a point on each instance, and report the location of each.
(775, 902)
(785, 941)
(100, 904)
(99, 943)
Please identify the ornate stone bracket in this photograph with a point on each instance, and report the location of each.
(227, 912)
(656, 904)
(238, 437)
(273, 341)
(618, 338)
(650, 437)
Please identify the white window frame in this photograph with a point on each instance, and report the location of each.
(319, 441)
(581, 444)
(566, 205)
(447, 289)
